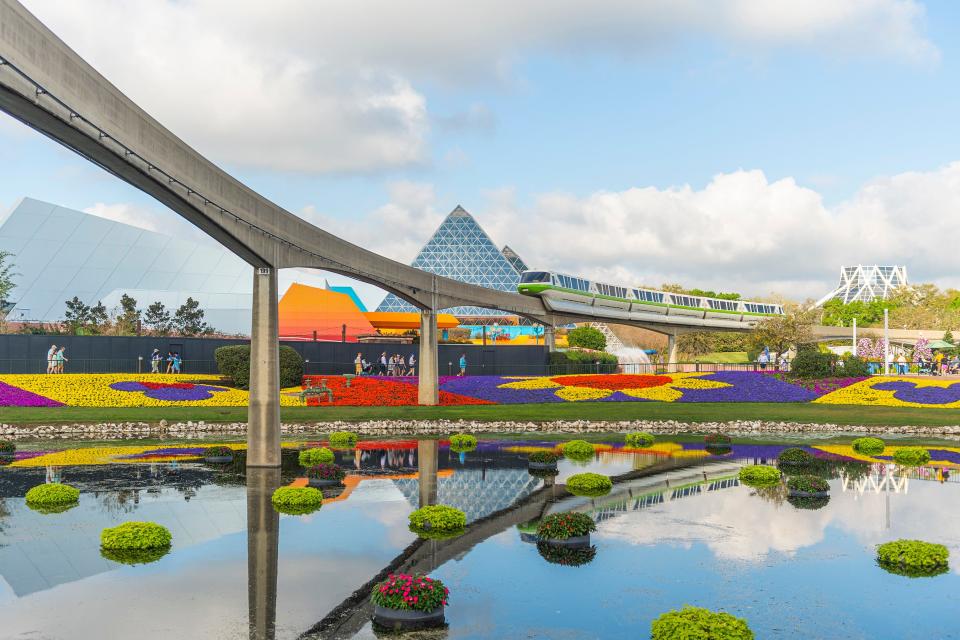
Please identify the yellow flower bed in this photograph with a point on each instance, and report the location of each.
(667, 392)
(864, 393)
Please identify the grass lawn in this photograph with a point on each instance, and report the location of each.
(725, 357)
(596, 411)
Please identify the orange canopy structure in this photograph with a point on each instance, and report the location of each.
(397, 320)
(305, 310)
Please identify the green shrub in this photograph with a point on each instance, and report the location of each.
(7, 447)
(566, 556)
(697, 623)
(589, 484)
(759, 475)
(325, 471)
(544, 457)
(402, 591)
(807, 484)
(794, 456)
(344, 439)
(573, 361)
(639, 440)
(543, 473)
(437, 519)
(854, 366)
(297, 501)
(218, 451)
(868, 446)
(52, 495)
(809, 502)
(560, 526)
(587, 338)
(462, 442)
(313, 457)
(813, 364)
(913, 557)
(717, 439)
(911, 456)
(135, 556)
(234, 363)
(579, 450)
(135, 536)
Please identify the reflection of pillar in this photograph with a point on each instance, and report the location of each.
(427, 455)
(263, 536)
(428, 392)
(263, 430)
(671, 352)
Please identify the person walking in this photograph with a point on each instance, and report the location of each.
(169, 361)
(155, 359)
(392, 366)
(412, 371)
(463, 364)
(52, 359)
(358, 364)
(60, 360)
(383, 363)
(763, 359)
(901, 365)
(177, 362)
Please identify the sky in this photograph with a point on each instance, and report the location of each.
(722, 144)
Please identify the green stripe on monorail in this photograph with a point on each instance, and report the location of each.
(533, 289)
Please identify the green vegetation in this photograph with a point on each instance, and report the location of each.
(135, 556)
(698, 623)
(462, 442)
(324, 471)
(313, 457)
(717, 440)
(911, 456)
(758, 475)
(809, 502)
(577, 361)
(566, 556)
(807, 483)
(868, 446)
(561, 526)
(344, 439)
(438, 521)
(400, 591)
(725, 357)
(7, 448)
(297, 501)
(913, 557)
(587, 338)
(639, 440)
(578, 450)
(135, 536)
(589, 484)
(52, 495)
(234, 363)
(218, 452)
(794, 456)
(544, 457)
(811, 363)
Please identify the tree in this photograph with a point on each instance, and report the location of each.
(188, 320)
(98, 317)
(128, 322)
(77, 315)
(587, 338)
(779, 333)
(157, 319)
(698, 343)
(6, 280)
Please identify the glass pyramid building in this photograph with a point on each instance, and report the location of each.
(460, 249)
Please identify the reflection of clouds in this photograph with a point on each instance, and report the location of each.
(735, 524)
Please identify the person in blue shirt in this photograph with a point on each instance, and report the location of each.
(177, 361)
(463, 365)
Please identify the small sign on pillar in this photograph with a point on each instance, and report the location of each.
(263, 271)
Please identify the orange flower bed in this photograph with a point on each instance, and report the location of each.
(378, 392)
(613, 382)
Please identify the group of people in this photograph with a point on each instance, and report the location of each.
(55, 359)
(765, 359)
(174, 361)
(395, 365)
(938, 365)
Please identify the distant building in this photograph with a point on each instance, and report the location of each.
(867, 283)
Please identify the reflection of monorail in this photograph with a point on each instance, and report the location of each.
(560, 287)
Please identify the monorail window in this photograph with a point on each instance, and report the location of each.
(535, 276)
(725, 305)
(686, 301)
(648, 296)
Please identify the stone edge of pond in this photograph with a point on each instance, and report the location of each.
(120, 430)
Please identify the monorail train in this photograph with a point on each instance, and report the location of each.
(561, 287)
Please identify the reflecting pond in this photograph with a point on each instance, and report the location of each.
(678, 528)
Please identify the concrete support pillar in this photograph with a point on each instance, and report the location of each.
(427, 463)
(428, 385)
(263, 421)
(671, 352)
(549, 338)
(263, 537)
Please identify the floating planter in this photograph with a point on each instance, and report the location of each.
(794, 457)
(297, 501)
(812, 504)
(52, 498)
(135, 542)
(911, 456)
(325, 475)
(759, 475)
(589, 484)
(543, 460)
(343, 439)
(639, 440)
(438, 522)
(868, 446)
(315, 456)
(570, 529)
(407, 602)
(913, 558)
(717, 440)
(463, 443)
(7, 451)
(807, 486)
(566, 555)
(696, 622)
(578, 450)
(218, 455)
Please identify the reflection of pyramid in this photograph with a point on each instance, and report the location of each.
(475, 492)
(461, 249)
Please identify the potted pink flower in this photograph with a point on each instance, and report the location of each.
(404, 602)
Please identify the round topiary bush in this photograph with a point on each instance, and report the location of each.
(566, 556)
(344, 439)
(807, 486)
(589, 484)
(297, 501)
(52, 495)
(135, 536)
(696, 622)
(219, 454)
(134, 556)
(544, 457)
(794, 456)
(759, 475)
(868, 446)
(547, 472)
(914, 558)
(807, 502)
(578, 450)
(562, 526)
(717, 439)
(911, 456)
(315, 456)
(463, 442)
(328, 472)
(7, 449)
(719, 449)
(639, 440)
(438, 521)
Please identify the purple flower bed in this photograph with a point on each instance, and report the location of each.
(822, 386)
(485, 388)
(173, 392)
(910, 392)
(748, 387)
(11, 396)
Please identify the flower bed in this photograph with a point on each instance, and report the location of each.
(911, 456)
(313, 457)
(218, 454)
(297, 501)
(404, 602)
(589, 484)
(794, 457)
(868, 446)
(564, 526)
(758, 475)
(807, 486)
(438, 521)
(696, 622)
(325, 474)
(913, 557)
(639, 440)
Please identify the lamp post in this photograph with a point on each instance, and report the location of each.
(886, 342)
(854, 337)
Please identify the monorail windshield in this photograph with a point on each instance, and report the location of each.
(535, 276)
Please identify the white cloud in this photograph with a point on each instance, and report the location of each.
(306, 86)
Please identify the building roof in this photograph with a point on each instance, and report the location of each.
(305, 310)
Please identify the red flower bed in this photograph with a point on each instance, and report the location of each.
(613, 382)
(378, 392)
